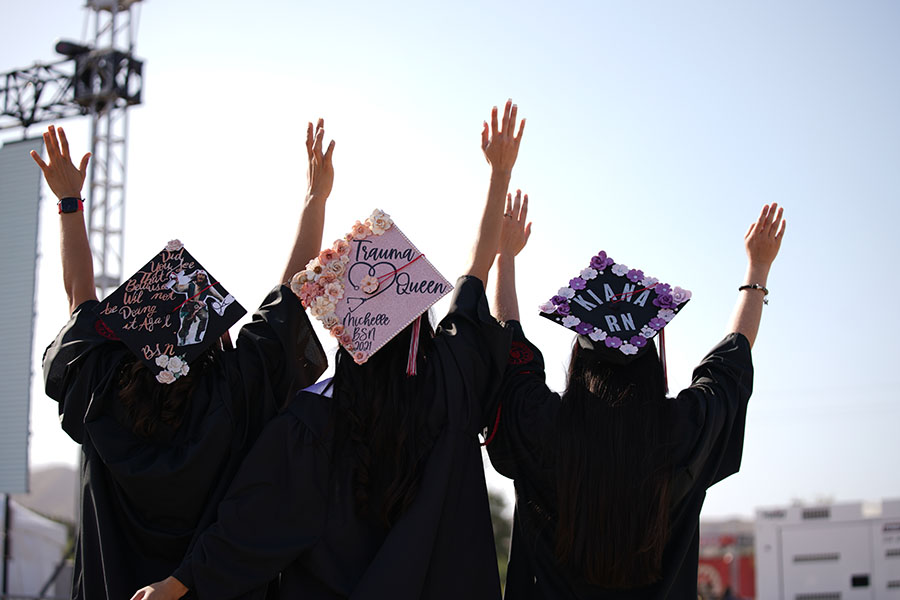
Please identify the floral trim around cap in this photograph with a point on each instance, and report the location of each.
(321, 285)
(173, 368)
(664, 297)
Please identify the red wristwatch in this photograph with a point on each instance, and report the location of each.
(70, 205)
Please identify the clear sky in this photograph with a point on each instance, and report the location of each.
(656, 130)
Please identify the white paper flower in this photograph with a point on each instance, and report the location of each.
(598, 335)
(165, 377)
(330, 320)
(627, 348)
(649, 281)
(185, 369)
(570, 321)
(647, 331)
(681, 295)
(336, 267)
(369, 284)
(321, 306)
(162, 360)
(547, 307)
(175, 364)
(174, 245)
(588, 273)
(666, 314)
(334, 290)
(620, 269)
(566, 292)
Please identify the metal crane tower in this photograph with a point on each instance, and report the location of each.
(106, 80)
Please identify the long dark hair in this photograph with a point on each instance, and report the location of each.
(380, 417)
(613, 475)
(150, 404)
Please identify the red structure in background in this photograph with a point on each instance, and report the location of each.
(727, 560)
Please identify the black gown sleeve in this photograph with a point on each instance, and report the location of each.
(278, 354)
(476, 344)
(526, 409)
(83, 357)
(274, 510)
(716, 405)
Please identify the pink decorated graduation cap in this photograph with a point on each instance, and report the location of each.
(369, 286)
(169, 312)
(616, 309)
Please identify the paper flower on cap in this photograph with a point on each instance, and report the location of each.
(369, 285)
(619, 306)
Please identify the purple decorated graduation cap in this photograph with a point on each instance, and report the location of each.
(170, 312)
(615, 309)
(368, 286)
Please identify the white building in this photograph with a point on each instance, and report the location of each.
(836, 552)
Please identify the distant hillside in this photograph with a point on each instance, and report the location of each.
(53, 492)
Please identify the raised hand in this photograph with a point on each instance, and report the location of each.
(763, 239)
(320, 174)
(515, 232)
(499, 144)
(64, 179)
(167, 589)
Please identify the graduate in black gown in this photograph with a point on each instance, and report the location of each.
(156, 458)
(372, 484)
(610, 477)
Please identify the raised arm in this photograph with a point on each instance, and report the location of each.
(513, 237)
(66, 181)
(500, 148)
(762, 242)
(320, 178)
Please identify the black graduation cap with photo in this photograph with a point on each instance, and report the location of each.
(170, 312)
(614, 308)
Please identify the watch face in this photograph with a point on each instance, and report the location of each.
(68, 205)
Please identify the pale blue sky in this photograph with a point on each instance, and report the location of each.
(655, 131)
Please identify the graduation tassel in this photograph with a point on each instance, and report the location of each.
(413, 347)
(662, 357)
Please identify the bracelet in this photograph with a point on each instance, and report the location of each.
(70, 204)
(756, 286)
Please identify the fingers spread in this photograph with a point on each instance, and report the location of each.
(506, 110)
(494, 129)
(521, 129)
(524, 212)
(484, 136)
(329, 152)
(64, 142)
(84, 163)
(511, 125)
(38, 160)
(527, 232)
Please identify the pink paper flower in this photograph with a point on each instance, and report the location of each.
(369, 284)
(337, 331)
(327, 255)
(330, 321)
(360, 231)
(336, 267)
(681, 295)
(359, 357)
(342, 247)
(326, 278)
(346, 340)
(334, 290)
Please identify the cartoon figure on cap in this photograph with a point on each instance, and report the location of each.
(194, 311)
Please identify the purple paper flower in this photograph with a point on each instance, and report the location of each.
(657, 323)
(664, 301)
(647, 331)
(601, 261)
(576, 283)
(557, 300)
(571, 322)
(662, 288)
(613, 342)
(598, 335)
(638, 341)
(584, 328)
(547, 307)
(635, 275)
(620, 269)
(563, 308)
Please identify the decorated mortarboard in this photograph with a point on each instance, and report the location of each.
(369, 286)
(615, 309)
(169, 312)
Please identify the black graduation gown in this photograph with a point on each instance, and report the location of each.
(290, 507)
(144, 500)
(708, 435)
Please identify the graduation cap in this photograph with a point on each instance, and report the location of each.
(170, 312)
(615, 309)
(369, 286)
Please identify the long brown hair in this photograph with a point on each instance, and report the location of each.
(613, 475)
(150, 404)
(380, 415)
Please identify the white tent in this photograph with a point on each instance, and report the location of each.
(37, 546)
